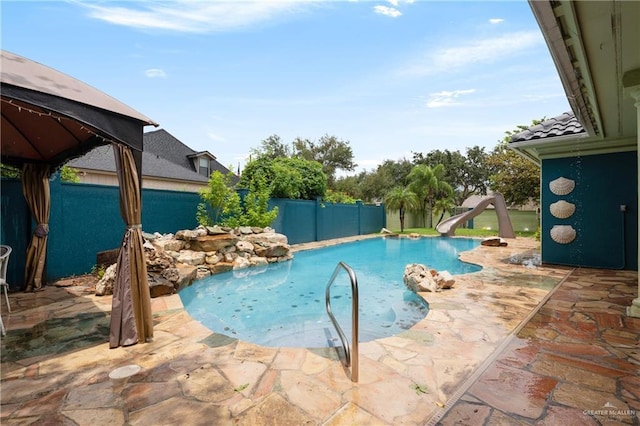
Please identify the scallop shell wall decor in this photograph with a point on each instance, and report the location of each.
(563, 234)
(562, 209)
(562, 186)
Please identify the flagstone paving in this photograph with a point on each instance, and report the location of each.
(577, 361)
(507, 345)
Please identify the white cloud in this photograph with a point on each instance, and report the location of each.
(215, 137)
(396, 3)
(191, 16)
(487, 50)
(446, 98)
(496, 20)
(387, 11)
(155, 73)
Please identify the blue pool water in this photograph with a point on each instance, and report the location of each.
(283, 304)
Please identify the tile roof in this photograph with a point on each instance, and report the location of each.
(562, 125)
(163, 156)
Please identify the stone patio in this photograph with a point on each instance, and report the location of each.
(507, 345)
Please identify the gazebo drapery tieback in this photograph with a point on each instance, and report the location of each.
(42, 230)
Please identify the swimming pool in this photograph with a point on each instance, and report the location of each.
(283, 304)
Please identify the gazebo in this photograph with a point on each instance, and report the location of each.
(48, 118)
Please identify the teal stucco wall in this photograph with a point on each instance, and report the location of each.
(606, 236)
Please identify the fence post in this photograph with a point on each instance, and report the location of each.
(319, 230)
(359, 204)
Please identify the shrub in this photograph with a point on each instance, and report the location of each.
(338, 197)
(229, 210)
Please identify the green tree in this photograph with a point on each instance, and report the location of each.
(332, 196)
(314, 180)
(69, 174)
(334, 154)
(287, 181)
(387, 176)
(262, 166)
(428, 184)
(442, 206)
(401, 199)
(202, 215)
(7, 171)
(372, 186)
(476, 177)
(515, 177)
(231, 211)
(272, 148)
(349, 185)
(221, 197)
(226, 205)
(287, 177)
(256, 205)
(375, 185)
(467, 175)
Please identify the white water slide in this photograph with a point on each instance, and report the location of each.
(447, 227)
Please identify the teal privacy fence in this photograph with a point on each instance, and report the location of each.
(85, 220)
(314, 220)
(15, 228)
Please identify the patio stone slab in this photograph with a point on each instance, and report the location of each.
(514, 390)
(142, 395)
(174, 411)
(275, 410)
(463, 349)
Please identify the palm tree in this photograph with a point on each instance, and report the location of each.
(442, 206)
(401, 199)
(429, 186)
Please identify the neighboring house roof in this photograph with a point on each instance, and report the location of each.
(165, 145)
(164, 156)
(562, 125)
(102, 159)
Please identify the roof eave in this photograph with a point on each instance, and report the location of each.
(202, 153)
(537, 150)
(573, 71)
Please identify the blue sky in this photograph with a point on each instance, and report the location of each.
(390, 77)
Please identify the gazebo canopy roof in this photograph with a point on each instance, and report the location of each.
(49, 117)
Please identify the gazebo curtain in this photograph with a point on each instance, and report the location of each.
(131, 319)
(35, 187)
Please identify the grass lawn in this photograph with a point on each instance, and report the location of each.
(464, 232)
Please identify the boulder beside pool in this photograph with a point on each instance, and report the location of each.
(418, 277)
(175, 261)
(493, 242)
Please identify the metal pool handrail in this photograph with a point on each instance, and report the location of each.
(349, 360)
